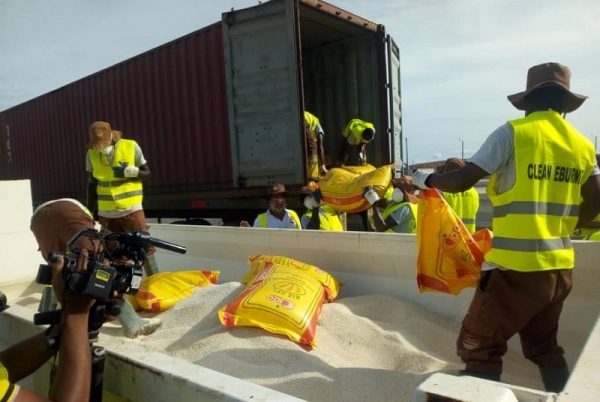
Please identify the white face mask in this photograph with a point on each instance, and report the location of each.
(107, 150)
(308, 203)
(398, 195)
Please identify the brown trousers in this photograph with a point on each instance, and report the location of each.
(134, 221)
(510, 302)
(55, 224)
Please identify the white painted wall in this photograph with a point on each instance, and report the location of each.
(17, 244)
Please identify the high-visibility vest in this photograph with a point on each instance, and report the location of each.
(116, 193)
(262, 219)
(312, 160)
(587, 232)
(356, 127)
(394, 207)
(329, 219)
(533, 221)
(465, 205)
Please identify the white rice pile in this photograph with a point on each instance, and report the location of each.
(369, 348)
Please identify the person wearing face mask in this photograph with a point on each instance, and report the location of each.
(117, 168)
(465, 203)
(399, 213)
(277, 216)
(318, 217)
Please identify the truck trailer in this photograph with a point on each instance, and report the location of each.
(219, 112)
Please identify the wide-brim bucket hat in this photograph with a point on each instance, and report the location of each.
(548, 74)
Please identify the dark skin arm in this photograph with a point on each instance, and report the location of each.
(26, 357)
(590, 207)
(315, 220)
(320, 150)
(344, 150)
(591, 225)
(457, 181)
(382, 225)
(92, 195)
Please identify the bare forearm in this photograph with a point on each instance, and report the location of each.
(315, 220)
(588, 210)
(92, 196)
(452, 182)
(26, 357)
(592, 225)
(144, 174)
(321, 152)
(74, 368)
(380, 225)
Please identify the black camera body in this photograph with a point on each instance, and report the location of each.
(99, 281)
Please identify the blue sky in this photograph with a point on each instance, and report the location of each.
(460, 58)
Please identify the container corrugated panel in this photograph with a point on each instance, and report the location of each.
(171, 100)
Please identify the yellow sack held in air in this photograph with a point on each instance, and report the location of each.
(449, 257)
(342, 188)
(281, 300)
(163, 290)
(332, 285)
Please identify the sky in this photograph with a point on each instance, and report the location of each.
(459, 58)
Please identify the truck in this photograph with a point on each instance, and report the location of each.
(368, 264)
(219, 112)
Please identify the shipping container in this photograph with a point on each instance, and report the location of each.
(218, 112)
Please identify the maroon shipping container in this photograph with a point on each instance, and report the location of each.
(171, 100)
(218, 112)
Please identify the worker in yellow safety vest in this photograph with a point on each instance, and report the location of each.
(277, 216)
(117, 168)
(465, 203)
(356, 135)
(315, 160)
(544, 181)
(317, 216)
(399, 211)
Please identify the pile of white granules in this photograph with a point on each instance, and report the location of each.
(369, 348)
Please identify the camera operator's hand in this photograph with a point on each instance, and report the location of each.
(70, 301)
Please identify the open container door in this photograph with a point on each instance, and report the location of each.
(395, 105)
(261, 67)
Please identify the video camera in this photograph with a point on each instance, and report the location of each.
(125, 252)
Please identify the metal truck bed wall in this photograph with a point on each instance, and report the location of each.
(217, 112)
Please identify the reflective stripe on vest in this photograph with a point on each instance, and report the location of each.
(356, 127)
(533, 221)
(394, 207)
(262, 219)
(329, 219)
(465, 205)
(115, 193)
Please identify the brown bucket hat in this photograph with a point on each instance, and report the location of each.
(548, 74)
(101, 134)
(276, 189)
